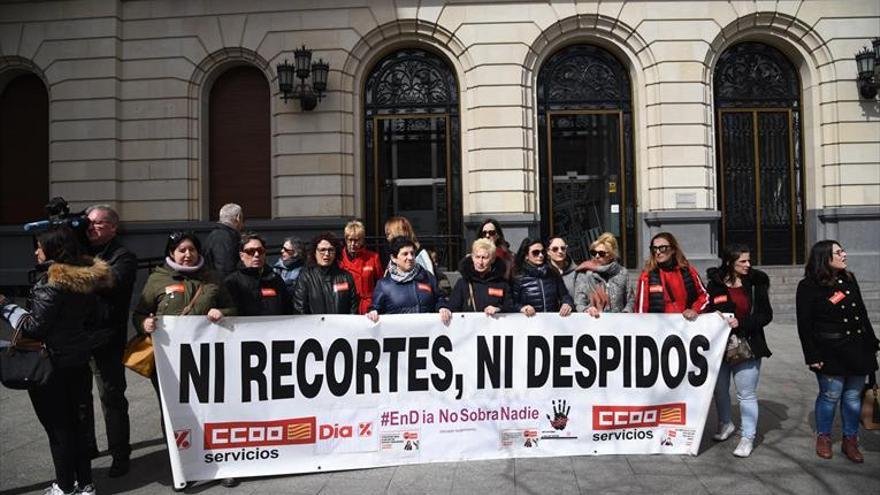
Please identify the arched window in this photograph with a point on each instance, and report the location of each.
(239, 143)
(758, 110)
(585, 147)
(24, 150)
(411, 137)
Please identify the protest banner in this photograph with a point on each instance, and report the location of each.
(273, 395)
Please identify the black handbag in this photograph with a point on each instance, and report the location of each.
(24, 364)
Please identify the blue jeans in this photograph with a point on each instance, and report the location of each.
(745, 377)
(831, 390)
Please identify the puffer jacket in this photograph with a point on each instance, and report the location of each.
(419, 295)
(751, 328)
(63, 308)
(615, 280)
(258, 292)
(323, 290)
(489, 289)
(168, 292)
(540, 287)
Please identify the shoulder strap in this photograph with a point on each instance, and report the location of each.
(471, 289)
(192, 302)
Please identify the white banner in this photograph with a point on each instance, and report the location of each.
(273, 395)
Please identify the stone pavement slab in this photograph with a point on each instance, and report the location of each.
(783, 461)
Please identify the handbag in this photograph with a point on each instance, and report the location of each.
(138, 355)
(871, 405)
(738, 350)
(25, 363)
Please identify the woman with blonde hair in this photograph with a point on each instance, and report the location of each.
(482, 286)
(400, 227)
(362, 263)
(605, 287)
(669, 284)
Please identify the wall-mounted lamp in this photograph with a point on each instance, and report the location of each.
(308, 96)
(868, 63)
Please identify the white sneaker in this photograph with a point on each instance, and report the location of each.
(745, 447)
(724, 432)
(87, 490)
(56, 490)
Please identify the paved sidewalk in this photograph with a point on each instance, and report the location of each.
(783, 461)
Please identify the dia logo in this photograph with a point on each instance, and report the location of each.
(181, 437)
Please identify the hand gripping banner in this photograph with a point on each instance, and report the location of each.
(274, 395)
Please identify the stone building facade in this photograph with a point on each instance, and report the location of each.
(716, 120)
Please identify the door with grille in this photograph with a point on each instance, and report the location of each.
(757, 99)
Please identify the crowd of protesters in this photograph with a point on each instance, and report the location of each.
(79, 308)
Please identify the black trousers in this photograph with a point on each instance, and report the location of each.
(110, 375)
(59, 406)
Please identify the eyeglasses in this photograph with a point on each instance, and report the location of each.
(839, 252)
(254, 251)
(558, 248)
(329, 250)
(536, 252)
(490, 233)
(598, 254)
(661, 249)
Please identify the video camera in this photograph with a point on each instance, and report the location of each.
(58, 213)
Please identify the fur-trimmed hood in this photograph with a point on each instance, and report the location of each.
(93, 274)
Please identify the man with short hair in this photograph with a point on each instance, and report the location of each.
(221, 247)
(112, 330)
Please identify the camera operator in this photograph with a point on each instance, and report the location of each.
(107, 364)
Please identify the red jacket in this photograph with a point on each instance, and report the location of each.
(672, 281)
(366, 271)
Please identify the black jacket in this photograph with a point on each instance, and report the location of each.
(123, 265)
(325, 290)
(540, 287)
(490, 289)
(258, 292)
(63, 309)
(751, 328)
(834, 329)
(419, 295)
(221, 250)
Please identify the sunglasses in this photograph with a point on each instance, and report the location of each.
(490, 233)
(598, 254)
(254, 251)
(661, 249)
(326, 250)
(285, 250)
(536, 252)
(176, 237)
(557, 249)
